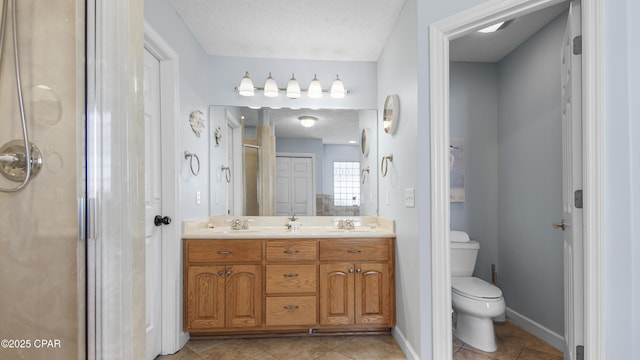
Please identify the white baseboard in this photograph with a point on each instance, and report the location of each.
(404, 344)
(550, 337)
(184, 338)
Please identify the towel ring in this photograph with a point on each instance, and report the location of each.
(227, 173)
(384, 166)
(191, 156)
(363, 176)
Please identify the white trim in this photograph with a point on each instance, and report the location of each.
(593, 175)
(440, 33)
(172, 337)
(404, 344)
(237, 168)
(550, 337)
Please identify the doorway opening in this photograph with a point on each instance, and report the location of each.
(439, 36)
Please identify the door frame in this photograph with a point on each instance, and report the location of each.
(440, 33)
(172, 338)
(237, 169)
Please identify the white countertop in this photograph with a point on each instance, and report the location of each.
(275, 227)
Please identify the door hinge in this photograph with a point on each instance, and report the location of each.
(577, 199)
(577, 45)
(580, 352)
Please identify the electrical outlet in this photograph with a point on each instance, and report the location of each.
(197, 197)
(410, 197)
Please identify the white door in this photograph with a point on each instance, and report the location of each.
(294, 186)
(572, 183)
(153, 204)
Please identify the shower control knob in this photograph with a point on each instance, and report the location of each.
(159, 220)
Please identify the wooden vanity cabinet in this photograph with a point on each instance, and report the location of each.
(291, 283)
(220, 291)
(357, 283)
(288, 285)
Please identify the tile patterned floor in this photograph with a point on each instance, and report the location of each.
(361, 347)
(513, 344)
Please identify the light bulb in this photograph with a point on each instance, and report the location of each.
(246, 86)
(270, 87)
(337, 88)
(293, 88)
(315, 89)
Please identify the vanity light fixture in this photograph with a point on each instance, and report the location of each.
(307, 121)
(337, 88)
(293, 90)
(495, 27)
(315, 89)
(270, 87)
(246, 86)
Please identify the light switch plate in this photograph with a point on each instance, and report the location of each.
(197, 197)
(410, 197)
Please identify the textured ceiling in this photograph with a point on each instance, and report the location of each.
(353, 30)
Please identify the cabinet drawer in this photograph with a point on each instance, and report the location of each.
(291, 250)
(291, 279)
(201, 251)
(300, 310)
(355, 250)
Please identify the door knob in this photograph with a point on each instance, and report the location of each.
(560, 225)
(159, 220)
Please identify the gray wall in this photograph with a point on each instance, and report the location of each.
(530, 251)
(621, 177)
(398, 74)
(195, 92)
(474, 117)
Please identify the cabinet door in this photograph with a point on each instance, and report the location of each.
(372, 299)
(336, 294)
(244, 296)
(205, 297)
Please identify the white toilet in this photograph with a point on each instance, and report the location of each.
(475, 301)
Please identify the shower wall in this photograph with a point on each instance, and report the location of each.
(41, 256)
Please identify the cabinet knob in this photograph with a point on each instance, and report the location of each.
(354, 251)
(290, 252)
(225, 252)
(290, 275)
(358, 271)
(290, 307)
(229, 273)
(220, 273)
(350, 271)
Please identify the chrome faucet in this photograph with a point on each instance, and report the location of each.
(292, 224)
(238, 224)
(346, 224)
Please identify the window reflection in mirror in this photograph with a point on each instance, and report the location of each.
(280, 167)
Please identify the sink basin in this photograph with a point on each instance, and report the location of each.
(356, 230)
(227, 230)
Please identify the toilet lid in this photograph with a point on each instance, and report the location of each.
(475, 287)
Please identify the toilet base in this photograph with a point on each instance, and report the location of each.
(475, 331)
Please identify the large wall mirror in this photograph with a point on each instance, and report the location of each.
(286, 161)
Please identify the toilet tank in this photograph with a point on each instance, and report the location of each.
(463, 257)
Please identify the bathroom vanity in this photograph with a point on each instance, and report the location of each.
(269, 278)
